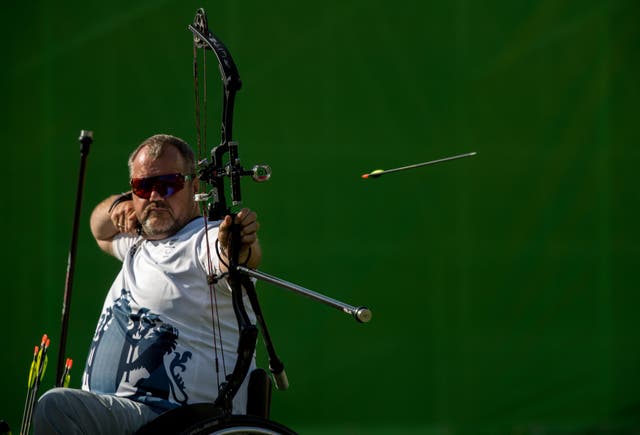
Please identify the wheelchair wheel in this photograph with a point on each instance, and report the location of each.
(205, 419)
(239, 424)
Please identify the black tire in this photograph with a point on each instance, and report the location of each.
(205, 419)
(238, 424)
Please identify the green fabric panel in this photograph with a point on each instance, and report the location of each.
(503, 286)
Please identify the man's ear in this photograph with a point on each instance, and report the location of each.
(196, 185)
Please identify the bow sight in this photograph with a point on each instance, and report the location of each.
(213, 173)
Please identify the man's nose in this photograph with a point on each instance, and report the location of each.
(155, 196)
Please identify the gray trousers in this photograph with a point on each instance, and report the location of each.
(68, 411)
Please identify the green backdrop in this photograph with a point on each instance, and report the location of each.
(504, 286)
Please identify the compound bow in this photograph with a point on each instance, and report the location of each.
(224, 163)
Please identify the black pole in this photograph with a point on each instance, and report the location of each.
(86, 137)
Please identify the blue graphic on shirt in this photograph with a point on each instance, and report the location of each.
(127, 355)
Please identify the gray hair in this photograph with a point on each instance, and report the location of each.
(156, 145)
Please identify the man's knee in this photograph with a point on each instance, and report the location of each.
(70, 411)
(49, 414)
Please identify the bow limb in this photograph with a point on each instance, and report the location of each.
(214, 172)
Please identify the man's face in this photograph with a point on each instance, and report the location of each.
(162, 217)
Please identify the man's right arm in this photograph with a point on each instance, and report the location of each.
(106, 224)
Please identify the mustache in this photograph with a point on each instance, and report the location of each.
(152, 206)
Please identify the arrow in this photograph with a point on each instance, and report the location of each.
(66, 373)
(36, 373)
(379, 172)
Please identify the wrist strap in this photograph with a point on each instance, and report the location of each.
(124, 197)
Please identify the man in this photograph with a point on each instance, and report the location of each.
(155, 347)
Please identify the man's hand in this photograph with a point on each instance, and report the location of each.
(250, 252)
(109, 220)
(123, 217)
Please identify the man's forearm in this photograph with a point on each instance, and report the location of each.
(102, 227)
(255, 257)
(251, 257)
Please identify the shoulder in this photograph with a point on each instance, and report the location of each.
(121, 244)
(197, 227)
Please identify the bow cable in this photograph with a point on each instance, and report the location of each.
(201, 140)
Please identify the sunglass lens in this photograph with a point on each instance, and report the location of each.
(165, 185)
(169, 184)
(142, 187)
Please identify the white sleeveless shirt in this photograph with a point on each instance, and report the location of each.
(155, 341)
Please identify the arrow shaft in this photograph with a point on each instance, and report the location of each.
(432, 162)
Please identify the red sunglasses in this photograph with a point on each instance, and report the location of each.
(165, 185)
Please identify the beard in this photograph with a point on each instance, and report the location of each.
(158, 222)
